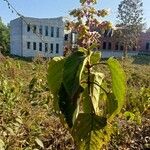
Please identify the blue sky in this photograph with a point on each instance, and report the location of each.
(56, 8)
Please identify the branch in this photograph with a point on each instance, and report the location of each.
(100, 87)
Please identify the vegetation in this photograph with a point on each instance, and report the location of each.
(81, 105)
(130, 17)
(28, 120)
(4, 38)
(80, 94)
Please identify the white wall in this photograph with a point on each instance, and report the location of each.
(110, 53)
(31, 37)
(16, 36)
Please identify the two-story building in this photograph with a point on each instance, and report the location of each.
(32, 36)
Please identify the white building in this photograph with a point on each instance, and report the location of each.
(32, 36)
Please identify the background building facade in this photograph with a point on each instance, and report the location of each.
(32, 36)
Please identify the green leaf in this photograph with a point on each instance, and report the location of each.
(88, 131)
(39, 142)
(96, 78)
(86, 103)
(95, 57)
(10, 130)
(19, 120)
(82, 1)
(55, 73)
(2, 145)
(68, 105)
(111, 105)
(73, 68)
(129, 115)
(118, 83)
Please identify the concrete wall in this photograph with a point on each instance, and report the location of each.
(110, 53)
(16, 37)
(38, 38)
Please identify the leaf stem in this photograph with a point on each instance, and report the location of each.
(100, 87)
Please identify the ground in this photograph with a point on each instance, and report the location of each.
(28, 121)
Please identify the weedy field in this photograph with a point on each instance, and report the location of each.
(28, 121)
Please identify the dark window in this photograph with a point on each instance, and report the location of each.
(46, 30)
(28, 45)
(52, 31)
(46, 47)
(134, 48)
(28, 28)
(116, 46)
(57, 48)
(108, 33)
(121, 47)
(40, 46)
(52, 47)
(147, 46)
(104, 45)
(34, 45)
(109, 45)
(34, 29)
(66, 37)
(57, 33)
(41, 30)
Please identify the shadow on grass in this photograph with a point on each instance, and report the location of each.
(141, 60)
(27, 59)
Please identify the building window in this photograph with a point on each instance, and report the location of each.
(66, 37)
(46, 47)
(134, 48)
(34, 29)
(116, 46)
(40, 46)
(57, 33)
(52, 47)
(52, 31)
(147, 46)
(28, 45)
(109, 45)
(34, 45)
(57, 48)
(28, 28)
(121, 47)
(46, 30)
(104, 45)
(41, 30)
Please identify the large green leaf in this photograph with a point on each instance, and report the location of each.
(68, 105)
(118, 83)
(96, 79)
(111, 105)
(88, 131)
(86, 102)
(55, 73)
(73, 68)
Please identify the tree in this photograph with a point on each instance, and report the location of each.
(130, 15)
(82, 100)
(148, 30)
(4, 38)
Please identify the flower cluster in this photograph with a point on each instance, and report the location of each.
(87, 23)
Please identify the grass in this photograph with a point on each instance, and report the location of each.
(27, 119)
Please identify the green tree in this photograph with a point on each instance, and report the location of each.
(82, 100)
(130, 17)
(4, 38)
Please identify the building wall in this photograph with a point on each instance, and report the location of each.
(16, 36)
(29, 36)
(144, 42)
